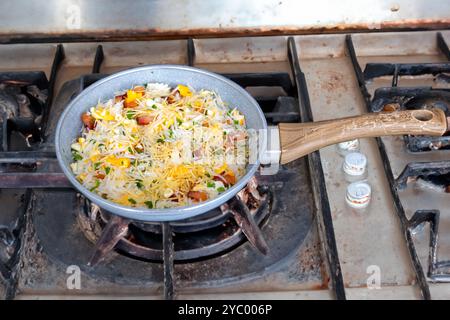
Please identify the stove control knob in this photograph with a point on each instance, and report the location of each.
(358, 195)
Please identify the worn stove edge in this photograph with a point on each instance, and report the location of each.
(168, 34)
(323, 210)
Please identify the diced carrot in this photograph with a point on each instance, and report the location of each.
(131, 98)
(100, 175)
(130, 103)
(198, 195)
(230, 178)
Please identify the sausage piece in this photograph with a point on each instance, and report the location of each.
(144, 120)
(88, 121)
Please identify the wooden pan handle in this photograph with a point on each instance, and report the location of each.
(299, 139)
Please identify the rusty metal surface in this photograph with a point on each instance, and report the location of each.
(103, 20)
(359, 243)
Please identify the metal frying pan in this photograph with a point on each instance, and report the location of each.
(295, 139)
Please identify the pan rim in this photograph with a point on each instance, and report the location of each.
(167, 214)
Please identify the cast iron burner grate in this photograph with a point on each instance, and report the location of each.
(214, 233)
(434, 176)
(391, 99)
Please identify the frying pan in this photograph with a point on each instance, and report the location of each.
(295, 139)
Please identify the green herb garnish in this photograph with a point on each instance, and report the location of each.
(76, 156)
(107, 170)
(149, 204)
(131, 200)
(211, 185)
(96, 185)
(139, 184)
(160, 140)
(221, 189)
(130, 114)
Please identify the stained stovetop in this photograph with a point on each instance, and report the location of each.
(307, 238)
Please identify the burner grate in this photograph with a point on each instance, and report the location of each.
(192, 239)
(396, 98)
(438, 271)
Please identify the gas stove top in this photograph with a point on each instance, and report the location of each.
(290, 233)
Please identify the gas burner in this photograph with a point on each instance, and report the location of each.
(212, 234)
(23, 97)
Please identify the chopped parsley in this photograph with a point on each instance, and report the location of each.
(160, 140)
(149, 204)
(96, 185)
(76, 156)
(131, 200)
(107, 170)
(130, 114)
(211, 185)
(139, 184)
(221, 189)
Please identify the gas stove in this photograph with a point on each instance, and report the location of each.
(289, 233)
